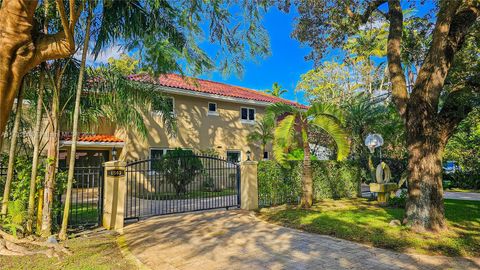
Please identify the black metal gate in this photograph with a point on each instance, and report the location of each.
(86, 206)
(180, 183)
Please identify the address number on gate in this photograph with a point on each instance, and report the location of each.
(116, 173)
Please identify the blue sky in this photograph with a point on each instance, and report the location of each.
(284, 65)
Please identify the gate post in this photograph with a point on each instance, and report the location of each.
(249, 185)
(114, 195)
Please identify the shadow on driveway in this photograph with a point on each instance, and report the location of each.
(236, 239)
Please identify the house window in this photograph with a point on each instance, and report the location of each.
(247, 115)
(233, 156)
(212, 108)
(170, 106)
(156, 153)
(265, 155)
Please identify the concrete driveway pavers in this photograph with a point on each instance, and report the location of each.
(237, 239)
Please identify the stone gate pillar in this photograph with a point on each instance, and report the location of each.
(114, 191)
(248, 185)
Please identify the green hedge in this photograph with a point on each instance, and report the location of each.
(331, 180)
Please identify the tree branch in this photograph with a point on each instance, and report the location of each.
(453, 24)
(397, 76)
(457, 107)
(371, 7)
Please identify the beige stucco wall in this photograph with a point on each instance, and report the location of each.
(197, 130)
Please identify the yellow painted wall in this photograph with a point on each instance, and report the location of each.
(197, 130)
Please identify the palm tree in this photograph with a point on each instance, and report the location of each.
(12, 151)
(71, 166)
(263, 131)
(276, 90)
(293, 127)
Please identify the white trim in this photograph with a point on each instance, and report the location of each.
(248, 121)
(94, 144)
(192, 93)
(215, 113)
(234, 151)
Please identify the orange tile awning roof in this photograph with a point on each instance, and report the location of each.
(100, 138)
(211, 87)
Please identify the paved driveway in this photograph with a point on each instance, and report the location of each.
(238, 240)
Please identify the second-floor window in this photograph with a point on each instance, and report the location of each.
(212, 108)
(247, 115)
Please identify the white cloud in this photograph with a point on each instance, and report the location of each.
(113, 51)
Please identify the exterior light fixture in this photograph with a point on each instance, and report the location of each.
(114, 153)
(373, 141)
(248, 155)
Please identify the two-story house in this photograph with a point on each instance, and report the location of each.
(210, 116)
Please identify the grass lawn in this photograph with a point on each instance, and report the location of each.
(83, 214)
(364, 221)
(98, 251)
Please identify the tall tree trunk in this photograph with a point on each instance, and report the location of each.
(36, 136)
(22, 48)
(51, 169)
(12, 152)
(424, 209)
(71, 165)
(36, 153)
(307, 182)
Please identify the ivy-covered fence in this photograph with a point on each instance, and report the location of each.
(331, 180)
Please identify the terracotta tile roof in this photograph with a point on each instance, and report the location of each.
(210, 87)
(101, 138)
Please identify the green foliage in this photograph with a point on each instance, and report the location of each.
(297, 154)
(462, 180)
(16, 217)
(277, 90)
(335, 179)
(279, 184)
(209, 184)
(263, 132)
(295, 124)
(180, 168)
(330, 82)
(124, 65)
(399, 201)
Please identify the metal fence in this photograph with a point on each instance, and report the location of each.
(87, 197)
(184, 183)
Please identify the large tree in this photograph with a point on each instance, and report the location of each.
(429, 123)
(23, 46)
(167, 33)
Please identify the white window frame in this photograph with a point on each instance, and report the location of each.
(215, 113)
(248, 121)
(234, 151)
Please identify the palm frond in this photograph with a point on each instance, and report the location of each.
(278, 109)
(326, 109)
(283, 137)
(336, 131)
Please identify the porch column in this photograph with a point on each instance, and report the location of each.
(114, 195)
(248, 185)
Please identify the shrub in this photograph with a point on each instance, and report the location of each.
(331, 180)
(463, 180)
(336, 179)
(180, 168)
(399, 201)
